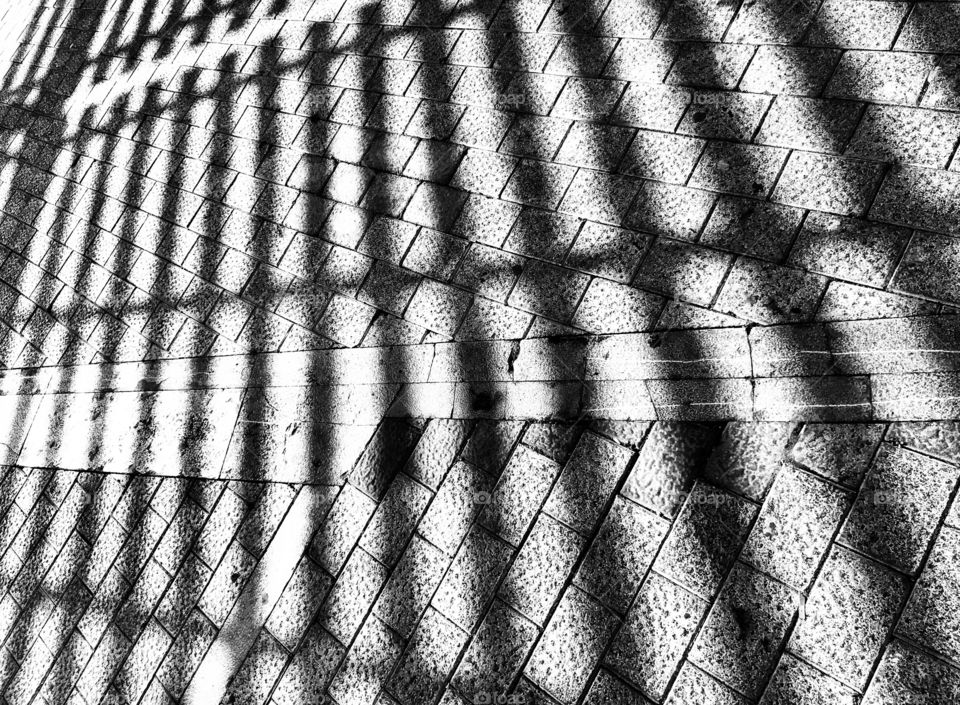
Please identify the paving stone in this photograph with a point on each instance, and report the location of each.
(768, 293)
(670, 210)
(796, 682)
(226, 583)
(845, 249)
(577, 634)
(352, 596)
(846, 302)
(722, 115)
(695, 685)
(383, 458)
(311, 668)
(927, 267)
(395, 518)
(658, 629)
(259, 671)
(301, 598)
(882, 77)
(651, 106)
(745, 628)
(906, 673)
(342, 528)
(926, 137)
(901, 500)
(538, 573)
(543, 234)
(620, 555)
(469, 584)
(705, 539)
(832, 184)
(521, 490)
(438, 307)
(548, 290)
(794, 528)
(683, 271)
(746, 226)
(430, 657)
(668, 464)
(662, 156)
(931, 438)
(490, 444)
(586, 482)
(607, 690)
(411, 586)
(366, 665)
(456, 504)
(853, 24)
(741, 169)
(841, 453)
(811, 124)
(929, 616)
(495, 654)
(847, 616)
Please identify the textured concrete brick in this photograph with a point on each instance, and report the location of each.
(832, 184)
(705, 539)
(620, 554)
(658, 629)
(665, 469)
(535, 578)
(892, 518)
(906, 672)
(496, 653)
(750, 619)
(884, 77)
(768, 293)
(794, 527)
(577, 634)
(836, 615)
(928, 267)
(874, 137)
(846, 249)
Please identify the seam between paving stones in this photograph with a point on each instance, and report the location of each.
(568, 582)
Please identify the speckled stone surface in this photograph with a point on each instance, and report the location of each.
(847, 616)
(656, 633)
(902, 499)
(442, 351)
(743, 633)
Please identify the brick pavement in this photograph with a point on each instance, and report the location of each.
(410, 352)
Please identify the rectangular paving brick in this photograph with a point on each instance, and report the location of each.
(577, 634)
(744, 630)
(837, 632)
(658, 629)
(495, 654)
(620, 554)
(536, 577)
(794, 527)
(899, 504)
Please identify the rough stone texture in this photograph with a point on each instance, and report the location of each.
(235, 236)
(930, 617)
(847, 616)
(744, 630)
(657, 631)
(897, 510)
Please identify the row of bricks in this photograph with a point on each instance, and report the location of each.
(918, 345)
(666, 194)
(837, 23)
